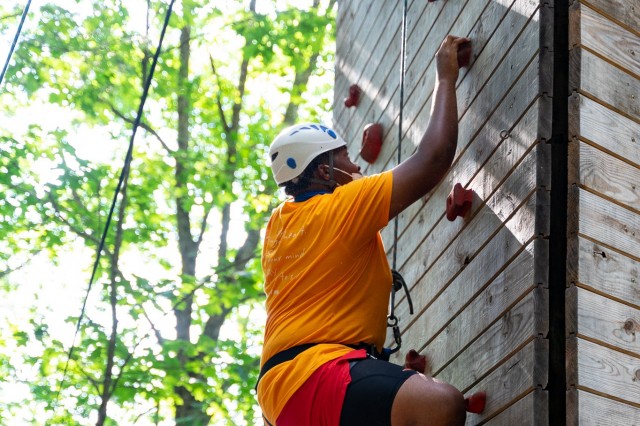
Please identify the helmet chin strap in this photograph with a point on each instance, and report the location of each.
(331, 183)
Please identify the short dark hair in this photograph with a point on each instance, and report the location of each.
(302, 182)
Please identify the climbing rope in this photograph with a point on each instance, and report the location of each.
(123, 174)
(15, 40)
(398, 281)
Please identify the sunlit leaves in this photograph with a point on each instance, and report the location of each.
(92, 64)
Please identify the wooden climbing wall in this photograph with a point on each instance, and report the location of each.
(479, 283)
(603, 299)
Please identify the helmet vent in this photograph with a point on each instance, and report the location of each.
(291, 162)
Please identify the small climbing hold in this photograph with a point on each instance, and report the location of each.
(458, 202)
(414, 361)
(476, 402)
(464, 54)
(354, 96)
(371, 142)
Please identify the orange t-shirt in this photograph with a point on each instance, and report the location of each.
(327, 281)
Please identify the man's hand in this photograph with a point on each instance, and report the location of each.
(448, 65)
(418, 174)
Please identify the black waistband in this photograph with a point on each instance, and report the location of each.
(291, 353)
(283, 356)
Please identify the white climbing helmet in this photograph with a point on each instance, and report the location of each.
(296, 146)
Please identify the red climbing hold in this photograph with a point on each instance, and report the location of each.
(414, 361)
(371, 142)
(354, 96)
(458, 202)
(476, 402)
(464, 54)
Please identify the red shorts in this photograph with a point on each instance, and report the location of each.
(319, 401)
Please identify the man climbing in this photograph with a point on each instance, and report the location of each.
(327, 278)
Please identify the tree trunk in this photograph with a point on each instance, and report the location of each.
(188, 409)
(107, 382)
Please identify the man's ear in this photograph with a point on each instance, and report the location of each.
(323, 172)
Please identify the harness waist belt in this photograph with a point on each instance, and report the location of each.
(283, 356)
(291, 353)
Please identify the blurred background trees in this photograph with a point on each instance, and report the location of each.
(171, 330)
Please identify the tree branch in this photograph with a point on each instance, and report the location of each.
(248, 249)
(159, 337)
(242, 82)
(80, 233)
(302, 78)
(14, 15)
(223, 118)
(224, 230)
(8, 270)
(214, 323)
(203, 225)
(94, 383)
(143, 125)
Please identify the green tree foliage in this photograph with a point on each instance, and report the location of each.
(181, 260)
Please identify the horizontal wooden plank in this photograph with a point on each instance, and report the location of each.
(420, 29)
(532, 410)
(608, 223)
(602, 370)
(509, 333)
(344, 33)
(484, 171)
(606, 321)
(587, 409)
(521, 22)
(605, 37)
(384, 108)
(506, 215)
(600, 80)
(489, 152)
(516, 375)
(477, 96)
(372, 76)
(499, 296)
(625, 12)
(423, 326)
(421, 72)
(611, 131)
(606, 271)
(496, 347)
(606, 175)
(352, 33)
(367, 35)
(372, 34)
(473, 125)
(380, 76)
